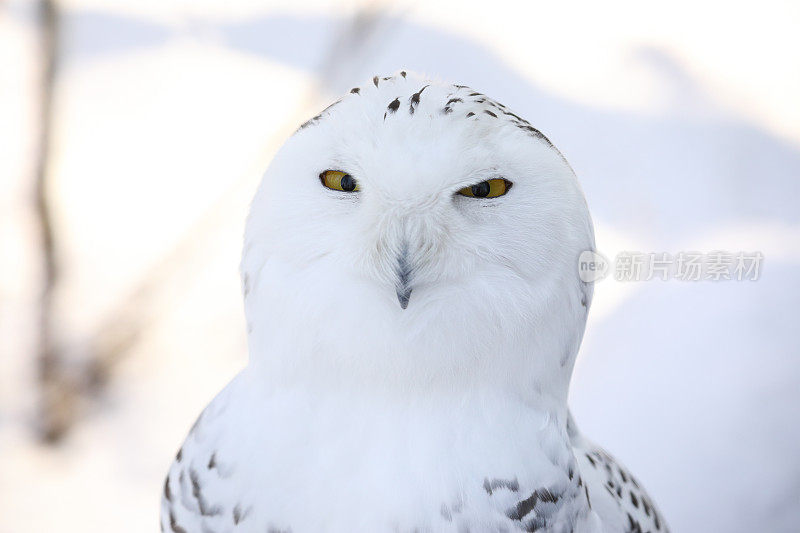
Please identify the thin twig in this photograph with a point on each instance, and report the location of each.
(53, 399)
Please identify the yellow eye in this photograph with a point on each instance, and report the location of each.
(339, 181)
(487, 189)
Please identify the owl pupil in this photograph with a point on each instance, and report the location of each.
(481, 190)
(348, 183)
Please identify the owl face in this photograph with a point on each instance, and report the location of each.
(413, 215)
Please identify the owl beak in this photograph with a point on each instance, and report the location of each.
(403, 295)
(403, 287)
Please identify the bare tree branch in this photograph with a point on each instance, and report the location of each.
(53, 396)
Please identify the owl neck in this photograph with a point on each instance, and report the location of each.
(538, 375)
(301, 336)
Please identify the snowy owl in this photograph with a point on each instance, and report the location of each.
(414, 311)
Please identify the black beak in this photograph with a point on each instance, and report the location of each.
(403, 287)
(403, 295)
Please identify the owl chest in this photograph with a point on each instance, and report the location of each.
(319, 468)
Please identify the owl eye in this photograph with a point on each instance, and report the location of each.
(487, 189)
(339, 181)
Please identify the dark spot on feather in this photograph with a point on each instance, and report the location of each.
(375, 80)
(238, 515)
(646, 505)
(489, 113)
(635, 527)
(634, 500)
(446, 514)
(470, 114)
(403, 73)
(453, 101)
(202, 504)
(309, 122)
(394, 105)
(173, 524)
(167, 491)
(355, 90)
(414, 101)
(212, 462)
(527, 505)
(547, 496)
(314, 120)
(491, 486)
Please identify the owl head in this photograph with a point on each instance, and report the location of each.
(417, 235)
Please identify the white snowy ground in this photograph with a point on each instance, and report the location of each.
(682, 124)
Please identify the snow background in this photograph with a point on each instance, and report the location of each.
(682, 122)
